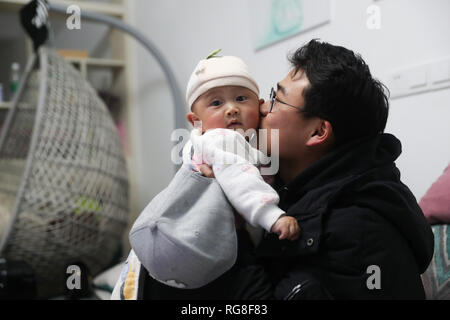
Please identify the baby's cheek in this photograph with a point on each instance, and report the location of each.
(214, 123)
(253, 119)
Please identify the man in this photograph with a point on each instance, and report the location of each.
(363, 236)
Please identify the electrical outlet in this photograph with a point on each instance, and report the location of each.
(416, 78)
(422, 78)
(440, 72)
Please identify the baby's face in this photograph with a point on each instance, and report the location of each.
(230, 107)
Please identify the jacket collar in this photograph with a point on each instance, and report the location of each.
(345, 162)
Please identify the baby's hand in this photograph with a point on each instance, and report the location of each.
(287, 227)
(206, 170)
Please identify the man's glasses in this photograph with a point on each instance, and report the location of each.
(273, 98)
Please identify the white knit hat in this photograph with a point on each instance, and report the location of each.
(218, 71)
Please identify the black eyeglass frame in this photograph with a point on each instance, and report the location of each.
(273, 98)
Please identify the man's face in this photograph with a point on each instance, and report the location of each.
(230, 107)
(294, 128)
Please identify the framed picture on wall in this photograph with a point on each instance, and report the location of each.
(276, 20)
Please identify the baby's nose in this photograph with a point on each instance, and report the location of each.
(232, 110)
(264, 108)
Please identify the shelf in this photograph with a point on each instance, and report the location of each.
(5, 105)
(85, 64)
(97, 62)
(110, 9)
(20, 106)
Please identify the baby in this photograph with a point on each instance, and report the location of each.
(174, 238)
(224, 104)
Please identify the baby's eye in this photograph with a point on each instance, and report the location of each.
(216, 103)
(241, 98)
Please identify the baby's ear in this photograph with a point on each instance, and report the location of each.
(192, 117)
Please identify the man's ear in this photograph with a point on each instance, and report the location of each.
(192, 117)
(321, 134)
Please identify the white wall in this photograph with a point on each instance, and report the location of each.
(412, 31)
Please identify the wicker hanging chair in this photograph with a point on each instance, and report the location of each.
(63, 178)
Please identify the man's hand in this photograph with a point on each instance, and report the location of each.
(287, 228)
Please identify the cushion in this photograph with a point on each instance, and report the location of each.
(436, 279)
(435, 203)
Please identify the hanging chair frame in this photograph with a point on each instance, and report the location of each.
(3, 134)
(39, 60)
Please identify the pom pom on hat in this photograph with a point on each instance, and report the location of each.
(218, 71)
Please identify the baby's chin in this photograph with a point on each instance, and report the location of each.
(242, 127)
(235, 126)
(247, 133)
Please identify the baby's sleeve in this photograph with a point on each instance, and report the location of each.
(234, 161)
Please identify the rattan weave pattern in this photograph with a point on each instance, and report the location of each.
(63, 178)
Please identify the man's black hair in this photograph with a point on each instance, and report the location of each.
(342, 91)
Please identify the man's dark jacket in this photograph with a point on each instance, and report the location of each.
(363, 235)
(358, 221)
